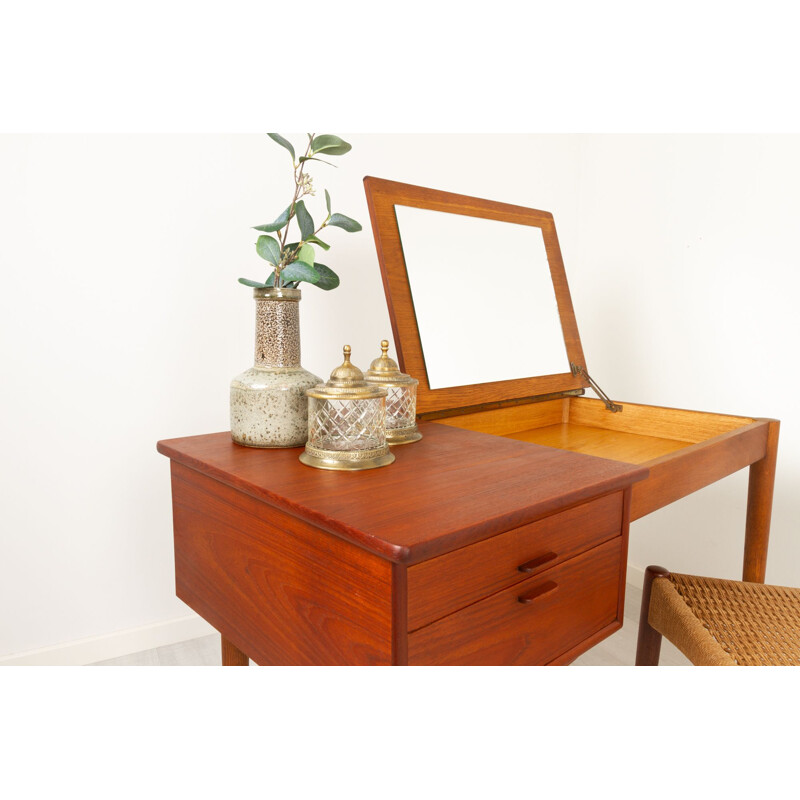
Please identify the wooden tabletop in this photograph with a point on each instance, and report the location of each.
(450, 489)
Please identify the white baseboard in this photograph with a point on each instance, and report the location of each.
(113, 645)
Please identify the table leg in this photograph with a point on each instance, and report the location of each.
(759, 509)
(232, 656)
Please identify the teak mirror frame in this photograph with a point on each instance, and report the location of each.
(382, 197)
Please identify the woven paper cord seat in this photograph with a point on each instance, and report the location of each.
(716, 622)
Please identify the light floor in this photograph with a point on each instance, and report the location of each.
(617, 650)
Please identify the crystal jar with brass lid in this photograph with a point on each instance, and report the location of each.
(346, 422)
(401, 399)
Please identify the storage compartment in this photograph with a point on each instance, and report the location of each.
(684, 450)
(543, 619)
(445, 584)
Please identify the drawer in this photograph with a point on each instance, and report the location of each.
(566, 605)
(445, 584)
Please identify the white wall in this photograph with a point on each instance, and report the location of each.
(685, 277)
(122, 323)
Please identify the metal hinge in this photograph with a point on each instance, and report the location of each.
(610, 405)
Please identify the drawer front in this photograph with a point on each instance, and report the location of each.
(445, 584)
(565, 606)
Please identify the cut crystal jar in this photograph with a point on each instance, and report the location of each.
(346, 422)
(401, 399)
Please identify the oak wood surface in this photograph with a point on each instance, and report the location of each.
(502, 630)
(449, 490)
(382, 196)
(669, 424)
(632, 448)
(277, 588)
(439, 586)
(659, 421)
(504, 421)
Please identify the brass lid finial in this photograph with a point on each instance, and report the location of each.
(384, 365)
(385, 369)
(347, 373)
(346, 382)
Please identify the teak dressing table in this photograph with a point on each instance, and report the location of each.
(499, 538)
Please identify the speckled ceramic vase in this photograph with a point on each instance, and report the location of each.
(269, 407)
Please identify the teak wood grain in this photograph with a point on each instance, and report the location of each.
(759, 508)
(232, 656)
(579, 598)
(298, 566)
(439, 586)
(449, 490)
(277, 589)
(382, 197)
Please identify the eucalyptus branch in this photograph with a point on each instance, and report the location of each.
(297, 183)
(273, 244)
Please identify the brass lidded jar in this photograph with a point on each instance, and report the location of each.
(346, 422)
(401, 400)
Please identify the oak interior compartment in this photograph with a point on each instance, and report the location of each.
(636, 435)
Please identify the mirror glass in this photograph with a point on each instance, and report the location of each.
(483, 297)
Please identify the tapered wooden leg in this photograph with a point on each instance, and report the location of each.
(232, 656)
(648, 647)
(759, 510)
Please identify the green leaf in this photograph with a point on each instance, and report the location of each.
(276, 137)
(275, 226)
(328, 279)
(303, 159)
(299, 271)
(306, 254)
(341, 221)
(330, 145)
(328, 201)
(254, 284)
(304, 219)
(269, 249)
(270, 281)
(319, 242)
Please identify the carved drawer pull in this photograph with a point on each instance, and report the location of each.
(535, 563)
(541, 590)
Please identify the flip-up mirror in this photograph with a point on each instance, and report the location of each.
(483, 298)
(477, 296)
